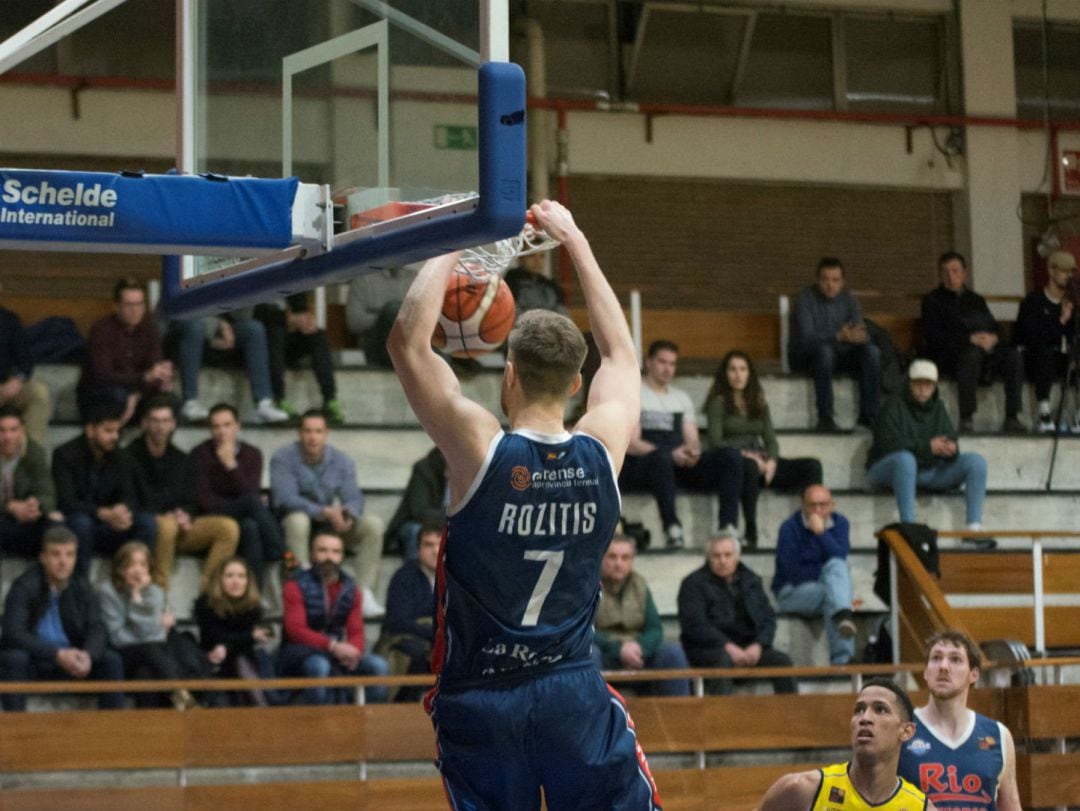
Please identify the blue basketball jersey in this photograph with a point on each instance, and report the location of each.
(956, 776)
(519, 576)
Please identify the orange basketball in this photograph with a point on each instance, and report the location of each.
(477, 314)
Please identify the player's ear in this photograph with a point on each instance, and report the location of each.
(907, 731)
(575, 386)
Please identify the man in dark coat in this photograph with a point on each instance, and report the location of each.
(726, 618)
(961, 336)
(52, 626)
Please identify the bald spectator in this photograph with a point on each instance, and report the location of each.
(726, 618)
(812, 576)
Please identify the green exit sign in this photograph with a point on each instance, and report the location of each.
(453, 136)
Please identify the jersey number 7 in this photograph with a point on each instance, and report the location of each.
(552, 563)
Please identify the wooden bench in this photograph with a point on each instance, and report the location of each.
(1010, 573)
(309, 736)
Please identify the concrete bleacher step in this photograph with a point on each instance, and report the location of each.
(369, 396)
(384, 455)
(375, 396)
(867, 513)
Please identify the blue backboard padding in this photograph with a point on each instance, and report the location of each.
(137, 209)
(500, 213)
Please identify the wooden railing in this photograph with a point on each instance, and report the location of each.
(366, 738)
(920, 604)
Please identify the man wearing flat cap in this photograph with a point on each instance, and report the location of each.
(915, 446)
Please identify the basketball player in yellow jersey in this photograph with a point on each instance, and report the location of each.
(882, 721)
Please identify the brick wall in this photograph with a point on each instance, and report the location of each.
(734, 245)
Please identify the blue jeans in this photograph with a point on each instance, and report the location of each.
(669, 656)
(899, 472)
(300, 660)
(825, 360)
(97, 537)
(823, 597)
(187, 340)
(18, 665)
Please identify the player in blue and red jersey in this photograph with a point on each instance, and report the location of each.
(964, 761)
(519, 706)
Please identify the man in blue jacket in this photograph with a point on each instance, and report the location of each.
(812, 576)
(53, 627)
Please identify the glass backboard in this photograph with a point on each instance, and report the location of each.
(402, 120)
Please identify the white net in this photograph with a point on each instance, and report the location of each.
(497, 257)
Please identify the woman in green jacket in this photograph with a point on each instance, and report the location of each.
(738, 417)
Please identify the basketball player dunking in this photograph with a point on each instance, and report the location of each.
(961, 759)
(518, 707)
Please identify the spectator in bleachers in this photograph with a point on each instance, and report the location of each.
(666, 453)
(426, 495)
(324, 625)
(371, 307)
(229, 614)
(812, 577)
(234, 339)
(138, 621)
(27, 494)
(629, 635)
(828, 335)
(165, 484)
(124, 359)
(737, 416)
(726, 619)
(228, 481)
(313, 488)
(52, 627)
(408, 629)
(915, 446)
(532, 289)
(1045, 328)
(17, 389)
(961, 336)
(95, 489)
(292, 334)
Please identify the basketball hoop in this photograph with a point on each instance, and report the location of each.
(494, 257)
(497, 257)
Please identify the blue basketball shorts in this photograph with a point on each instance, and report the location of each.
(567, 733)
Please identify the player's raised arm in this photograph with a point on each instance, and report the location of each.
(461, 428)
(614, 397)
